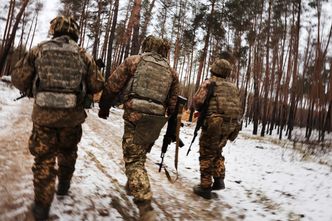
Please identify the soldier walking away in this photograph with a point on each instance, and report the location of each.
(59, 75)
(222, 123)
(149, 87)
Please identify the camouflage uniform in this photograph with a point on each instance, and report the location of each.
(56, 131)
(221, 124)
(140, 130)
(47, 144)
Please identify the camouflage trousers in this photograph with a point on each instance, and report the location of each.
(213, 138)
(48, 145)
(134, 156)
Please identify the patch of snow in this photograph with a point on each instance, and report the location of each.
(266, 179)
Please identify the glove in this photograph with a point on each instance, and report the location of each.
(104, 113)
(234, 134)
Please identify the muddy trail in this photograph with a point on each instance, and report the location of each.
(266, 179)
(97, 191)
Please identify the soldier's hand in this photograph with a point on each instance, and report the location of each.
(103, 113)
(234, 134)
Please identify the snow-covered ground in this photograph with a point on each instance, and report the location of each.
(266, 179)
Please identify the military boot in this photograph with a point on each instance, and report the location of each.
(218, 183)
(63, 188)
(40, 212)
(146, 211)
(203, 192)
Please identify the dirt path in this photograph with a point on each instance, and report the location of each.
(265, 179)
(15, 165)
(180, 204)
(97, 191)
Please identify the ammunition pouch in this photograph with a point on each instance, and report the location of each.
(56, 99)
(147, 107)
(213, 124)
(148, 129)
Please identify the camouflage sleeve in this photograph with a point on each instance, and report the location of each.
(24, 72)
(94, 80)
(117, 81)
(200, 95)
(173, 93)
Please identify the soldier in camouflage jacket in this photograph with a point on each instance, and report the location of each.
(221, 124)
(59, 75)
(149, 89)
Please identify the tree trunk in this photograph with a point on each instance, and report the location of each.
(107, 34)
(245, 97)
(83, 23)
(5, 52)
(267, 72)
(206, 45)
(34, 30)
(111, 38)
(294, 90)
(9, 21)
(146, 22)
(135, 44)
(256, 111)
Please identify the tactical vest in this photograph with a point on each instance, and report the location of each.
(148, 89)
(60, 71)
(225, 100)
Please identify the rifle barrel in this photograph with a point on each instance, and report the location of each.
(190, 146)
(20, 97)
(161, 163)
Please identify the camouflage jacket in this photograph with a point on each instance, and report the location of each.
(116, 84)
(23, 76)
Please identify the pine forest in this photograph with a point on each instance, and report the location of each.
(281, 50)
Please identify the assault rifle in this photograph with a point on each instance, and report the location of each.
(202, 113)
(173, 125)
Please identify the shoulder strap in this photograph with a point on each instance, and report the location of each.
(209, 95)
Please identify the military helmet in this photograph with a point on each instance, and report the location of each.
(227, 55)
(221, 67)
(155, 44)
(64, 25)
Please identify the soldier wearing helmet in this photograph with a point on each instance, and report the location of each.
(149, 87)
(63, 25)
(222, 123)
(59, 75)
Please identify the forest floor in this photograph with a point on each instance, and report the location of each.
(264, 180)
